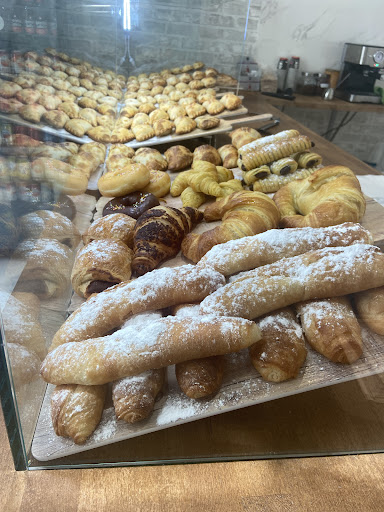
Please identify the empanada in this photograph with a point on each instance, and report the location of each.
(73, 81)
(151, 158)
(166, 105)
(158, 114)
(107, 121)
(61, 85)
(186, 68)
(78, 127)
(100, 134)
(176, 111)
(44, 80)
(115, 93)
(128, 111)
(147, 108)
(143, 132)
(32, 113)
(196, 84)
(10, 105)
(84, 82)
(175, 95)
(163, 127)
(44, 60)
(25, 82)
(181, 87)
(45, 71)
(85, 102)
(45, 89)
(207, 153)
(106, 109)
(71, 109)
(185, 77)
(228, 155)
(55, 118)
(168, 89)
(184, 125)
(209, 81)
(28, 96)
(122, 150)
(124, 122)
(215, 107)
(108, 100)
(198, 75)
(158, 89)
(230, 101)
(71, 70)
(207, 122)
(89, 115)
(140, 118)
(49, 101)
(178, 158)
(195, 110)
(189, 100)
(76, 90)
(66, 96)
(198, 65)
(95, 95)
(121, 135)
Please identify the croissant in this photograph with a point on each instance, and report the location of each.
(158, 235)
(191, 198)
(243, 214)
(204, 178)
(330, 196)
(230, 186)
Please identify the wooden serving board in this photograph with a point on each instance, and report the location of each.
(242, 387)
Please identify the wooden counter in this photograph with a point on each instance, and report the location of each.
(338, 419)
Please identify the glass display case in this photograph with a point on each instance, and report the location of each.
(118, 129)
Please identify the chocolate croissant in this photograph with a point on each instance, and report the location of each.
(158, 235)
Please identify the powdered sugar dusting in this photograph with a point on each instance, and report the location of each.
(179, 407)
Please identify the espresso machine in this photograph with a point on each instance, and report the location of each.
(361, 66)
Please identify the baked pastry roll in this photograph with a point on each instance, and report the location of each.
(307, 159)
(331, 328)
(140, 118)
(99, 134)
(71, 109)
(245, 135)
(207, 153)
(274, 182)
(195, 110)
(9, 89)
(158, 114)
(230, 186)
(105, 109)
(49, 225)
(121, 135)
(253, 175)
(10, 106)
(32, 113)
(76, 410)
(28, 96)
(184, 125)
(178, 158)
(283, 166)
(55, 118)
(116, 226)
(370, 308)
(78, 127)
(143, 132)
(159, 183)
(99, 265)
(281, 352)
(151, 158)
(47, 267)
(229, 155)
(45, 89)
(230, 101)
(163, 127)
(207, 122)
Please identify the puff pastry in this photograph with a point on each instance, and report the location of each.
(55, 118)
(242, 136)
(283, 166)
(78, 127)
(116, 226)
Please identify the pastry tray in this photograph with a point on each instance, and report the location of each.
(242, 387)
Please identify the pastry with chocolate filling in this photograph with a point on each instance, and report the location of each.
(99, 265)
(134, 204)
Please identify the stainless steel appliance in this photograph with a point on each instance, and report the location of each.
(361, 66)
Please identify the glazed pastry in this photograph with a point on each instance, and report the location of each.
(331, 328)
(281, 352)
(151, 158)
(158, 235)
(307, 159)
(207, 122)
(207, 153)
(274, 182)
(133, 205)
(191, 198)
(228, 154)
(254, 175)
(330, 196)
(230, 101)
(161, 343)
(160, 289)
(47, 267)
(49, 225)
(121, 135)
(243, 214)
(76, 410)
(89, 115)
(28, 96)
(159, 183)
(370, 308)
(32, 113)
(163, 127)
(283, 166)
(49, 101)
(143, 132)
(242, 136)
(78, 127)
(99, 265)
(116, 226)
(130, 178)
(348, 270)
(99, 134)
(71, 109)
(215, 107)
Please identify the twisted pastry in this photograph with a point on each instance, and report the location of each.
(253, 175)
(243, 213)
(283, 166)
(330, 196)
(158, 235)
(273, 182)
(255, 157)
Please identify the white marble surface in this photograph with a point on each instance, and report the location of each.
(316, 31)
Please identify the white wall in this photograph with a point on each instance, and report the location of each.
(315, 30)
